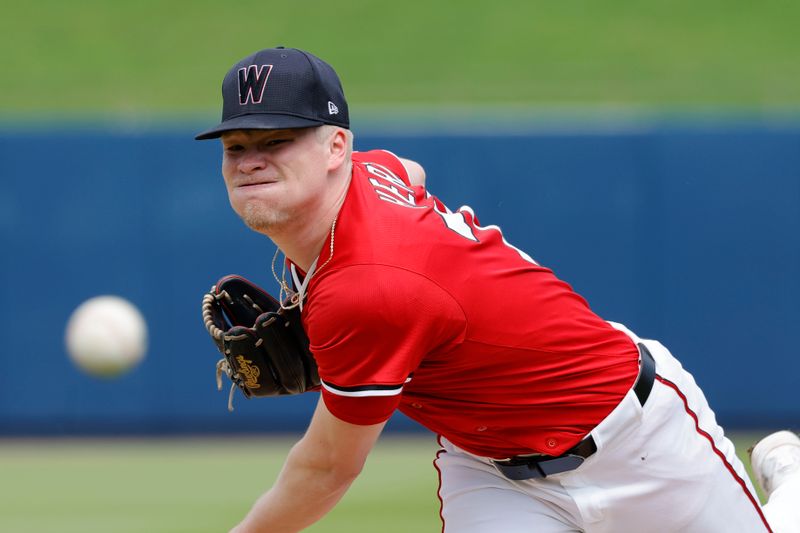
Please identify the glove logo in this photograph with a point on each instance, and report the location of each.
(252, 81)
(249, 372)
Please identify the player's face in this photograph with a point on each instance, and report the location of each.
(274, 177)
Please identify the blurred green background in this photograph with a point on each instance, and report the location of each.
(162, 62)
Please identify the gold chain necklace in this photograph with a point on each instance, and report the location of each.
(286, 293)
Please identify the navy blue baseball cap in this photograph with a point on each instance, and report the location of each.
(280, 88)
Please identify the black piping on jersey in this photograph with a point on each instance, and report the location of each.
(365, 390)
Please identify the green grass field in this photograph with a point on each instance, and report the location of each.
(92, 58)
(203, 485)
(196, 485)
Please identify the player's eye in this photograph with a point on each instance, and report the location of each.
(234, 148)
(276, 142)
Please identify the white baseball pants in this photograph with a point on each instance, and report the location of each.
(662, 467)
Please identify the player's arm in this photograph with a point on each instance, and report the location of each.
(416, 173)
(317, 472)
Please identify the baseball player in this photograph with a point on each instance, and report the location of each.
(550, 419)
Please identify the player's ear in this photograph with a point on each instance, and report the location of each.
(338, 145)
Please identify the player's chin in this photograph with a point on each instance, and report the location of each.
(261, 218)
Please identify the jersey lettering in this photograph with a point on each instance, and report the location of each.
(389, 187)
(392, 193)
(382, 172)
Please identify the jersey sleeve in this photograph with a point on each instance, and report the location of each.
(370, 327)
(386, 159)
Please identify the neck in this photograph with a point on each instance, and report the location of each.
(303, 240)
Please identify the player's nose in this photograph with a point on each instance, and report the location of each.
(251, 161)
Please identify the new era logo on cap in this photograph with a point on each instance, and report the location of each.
(252, 81)
(280, 88)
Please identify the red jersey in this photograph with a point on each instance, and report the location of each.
(423, 310)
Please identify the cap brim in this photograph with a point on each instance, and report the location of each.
(258, 121)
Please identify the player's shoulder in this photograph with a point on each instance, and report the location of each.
(377, 156)
(382, 161)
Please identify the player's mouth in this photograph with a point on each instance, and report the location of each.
(254, 184)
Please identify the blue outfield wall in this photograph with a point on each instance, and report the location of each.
(688, 234)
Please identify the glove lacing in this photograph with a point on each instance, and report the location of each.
(208, 314)
(224, 367)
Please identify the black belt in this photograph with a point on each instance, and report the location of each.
(539, 466)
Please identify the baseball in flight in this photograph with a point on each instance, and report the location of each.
(106, 336)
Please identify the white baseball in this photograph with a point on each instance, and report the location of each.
(106, 336)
